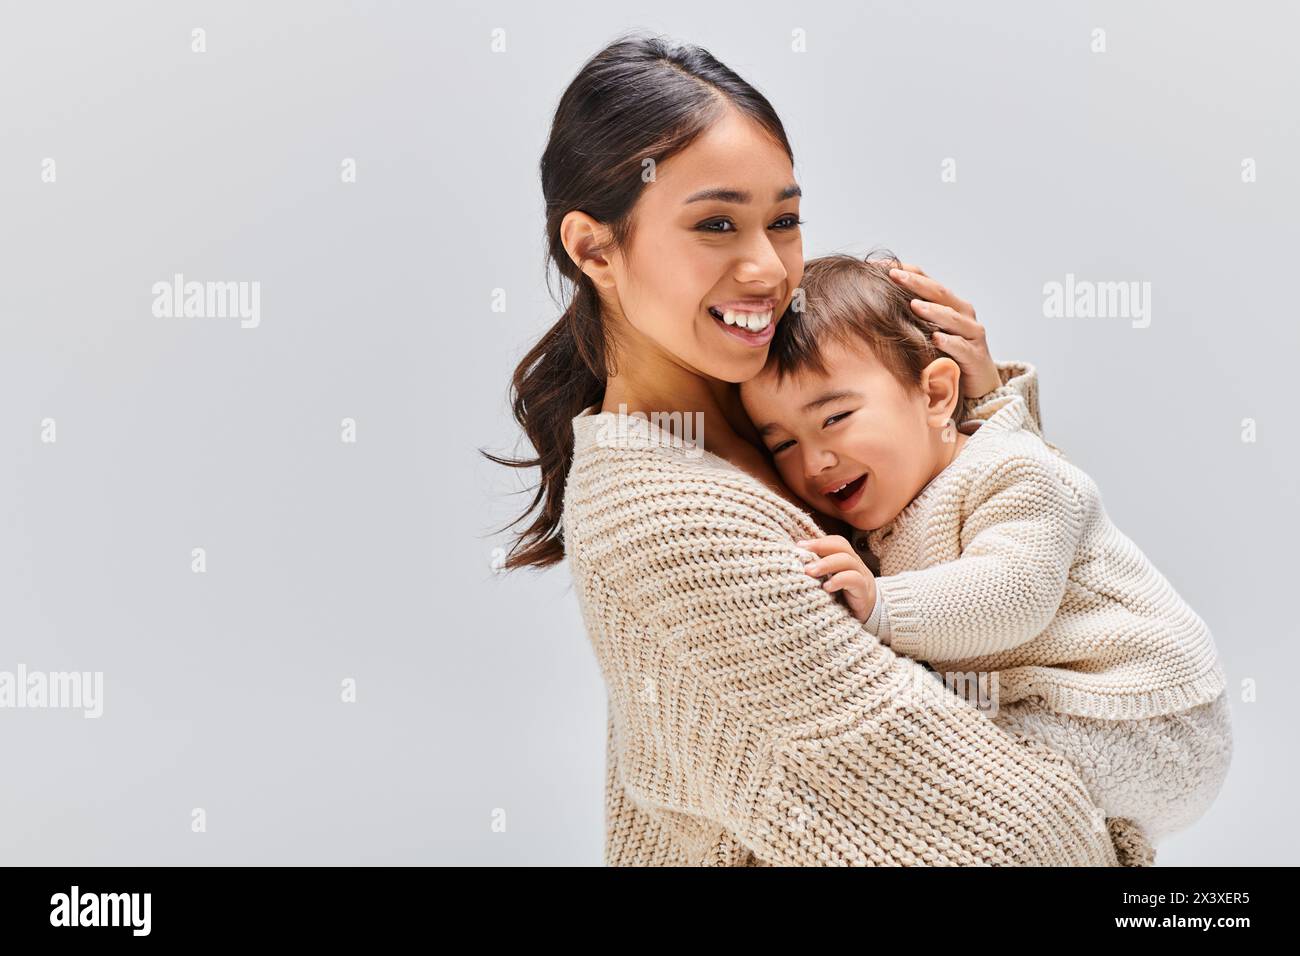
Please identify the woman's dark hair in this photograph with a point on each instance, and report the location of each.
(642, 97)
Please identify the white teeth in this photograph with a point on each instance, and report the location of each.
(836, 491)
(753, 321)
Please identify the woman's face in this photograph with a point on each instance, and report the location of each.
(715, 236)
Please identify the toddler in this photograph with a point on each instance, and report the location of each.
(995, 553)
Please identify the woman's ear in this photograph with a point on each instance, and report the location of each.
(584, 240)
(941, 385)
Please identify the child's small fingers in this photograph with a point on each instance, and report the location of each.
(844, 579)
(827, 545)
(833, 564)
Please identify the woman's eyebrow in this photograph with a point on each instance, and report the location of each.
(727, 194)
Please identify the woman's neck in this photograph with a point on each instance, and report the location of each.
(673, 389)
(722, 427)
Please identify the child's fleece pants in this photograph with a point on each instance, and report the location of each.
(1162, 773)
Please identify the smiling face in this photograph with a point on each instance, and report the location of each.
(715, 254)
(855, 442)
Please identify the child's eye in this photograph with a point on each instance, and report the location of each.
(835, 418)
(783, 446)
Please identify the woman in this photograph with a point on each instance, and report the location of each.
(752, 720)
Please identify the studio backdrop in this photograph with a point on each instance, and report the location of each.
(267, 269)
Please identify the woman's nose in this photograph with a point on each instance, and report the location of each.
(761, 263)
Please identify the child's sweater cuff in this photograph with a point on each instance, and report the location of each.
(905, 634)
(878, 622)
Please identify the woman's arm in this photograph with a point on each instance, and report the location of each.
(754, 700)
(985, 383)
(1018, 379)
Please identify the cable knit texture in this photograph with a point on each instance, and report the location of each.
(1007, 562)
(752, 719)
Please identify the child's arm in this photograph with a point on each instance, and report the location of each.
(1017, 545)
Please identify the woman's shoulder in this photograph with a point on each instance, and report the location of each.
(634, 477)
(637, 452)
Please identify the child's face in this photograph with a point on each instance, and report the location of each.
(857, 425)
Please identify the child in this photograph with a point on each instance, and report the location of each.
(995, 553)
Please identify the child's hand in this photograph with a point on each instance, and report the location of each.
(848, 574)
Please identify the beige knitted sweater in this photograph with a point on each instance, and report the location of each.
(1007, 562)
(752, 719)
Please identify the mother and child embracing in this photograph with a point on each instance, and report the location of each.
(867, 506)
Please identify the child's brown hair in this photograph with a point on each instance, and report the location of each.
(853, 301)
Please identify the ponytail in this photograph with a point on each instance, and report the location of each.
(564, 373)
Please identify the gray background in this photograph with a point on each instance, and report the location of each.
(478, 691)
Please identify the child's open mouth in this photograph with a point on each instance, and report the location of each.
(847, 495)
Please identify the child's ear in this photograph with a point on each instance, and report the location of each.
(941, 385)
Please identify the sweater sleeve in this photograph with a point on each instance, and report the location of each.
(1019, 379)
(1022, 526)
(753, 700)
(878, 621)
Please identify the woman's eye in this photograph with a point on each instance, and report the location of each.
(726, 225)
(835, 418)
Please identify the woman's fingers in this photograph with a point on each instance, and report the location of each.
(979, 375)
(926, 288)
(960, 333)
(949, 319)
(907, 266)
(959, 348)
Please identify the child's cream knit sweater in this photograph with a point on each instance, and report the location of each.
(1007, 562)
(752, 719)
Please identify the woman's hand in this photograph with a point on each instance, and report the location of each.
(962, 336)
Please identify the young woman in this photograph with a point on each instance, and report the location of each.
(752, 719)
